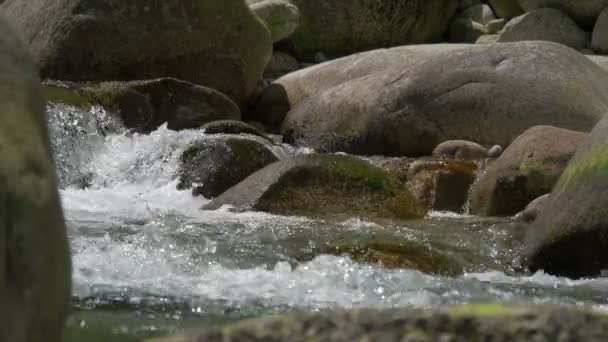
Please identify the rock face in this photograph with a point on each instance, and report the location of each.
(569, 236)
(339, 28)
(34, 255)
(484, 93)
(280, 16)
(222, 45)
(145, 105)
(211, 167)
(599, 38)
(545, 24)
(288, 91)
(481, 322)
(583, 12)
(506, 8)
(322, 185)
(527, 169)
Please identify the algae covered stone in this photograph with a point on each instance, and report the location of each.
(219, 44)
(322, 186)
(35, 276)
(570, 234)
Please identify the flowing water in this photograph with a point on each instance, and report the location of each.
(147, 261)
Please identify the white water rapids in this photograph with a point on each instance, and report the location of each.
(138, 243)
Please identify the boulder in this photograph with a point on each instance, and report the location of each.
(470, 24)
(280, 16)
(340, 28)
(460, 149)
(599, 37)
(506, 8)
(484, 93)
(545, 24)
(584, 12)
(288, 91)
(232, 127)
(530, 213)
(280, 64)
(322, 185)
(527, 169)
(221, 45)
(35, 267)
(570, 235)
(478, 322)
(211, 167)
(145, 105)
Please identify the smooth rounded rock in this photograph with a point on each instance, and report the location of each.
(506, 8)
(599, 37)
(460, 149)
(584, 12)
(35, 279)
(280, 16)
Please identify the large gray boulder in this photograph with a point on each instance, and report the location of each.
(219, 44)
(570, 235)
(322, 186)
(485, 93)
(527, 169)
(34, 255)
(584, 12)
(288, 91)
(340, 28)
(547, 24)
(599, 38)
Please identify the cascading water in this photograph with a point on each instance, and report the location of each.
(147, 261)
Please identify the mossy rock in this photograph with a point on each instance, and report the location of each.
(397, 254)
(211, 167)
(479, 322)
(218, 44)
(147, 104)
(233, 127)
(323, 186)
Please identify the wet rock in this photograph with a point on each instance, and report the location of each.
(569, 237)
(460, 149)
(288, 91)
(529, 168)
(320, 186)
(506, 8)
(583, 12)
(211, 167)
(280, 64)
(145, 105)
(486, 93)
(221, 45)
(341, 28)
(232, 127)
(599, 38)
(35, 275)
(480, 322)
(397, 254)
(530, 213)
(280, 16)
(545, 24)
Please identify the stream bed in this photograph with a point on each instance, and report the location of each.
(148, 262)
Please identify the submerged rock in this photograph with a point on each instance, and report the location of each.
(219, 44)
(320, 186)
(485, 93)
(146, 105)
(397, 254)
(339, 28)
(570, 235)
(529, 168)
(35, 275)
(211, 167)
(480, 322)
